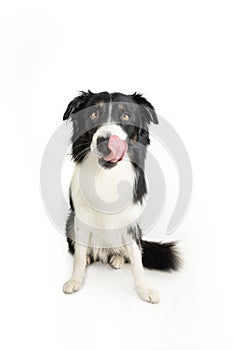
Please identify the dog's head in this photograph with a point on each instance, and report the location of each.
(109, 125)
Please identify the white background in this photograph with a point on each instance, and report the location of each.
(179, 54)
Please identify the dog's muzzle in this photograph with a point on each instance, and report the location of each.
(111, 148)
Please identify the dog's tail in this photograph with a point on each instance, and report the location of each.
(160, 256)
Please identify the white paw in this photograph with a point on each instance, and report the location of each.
(117, 261)
(148, 294)
(71, 286)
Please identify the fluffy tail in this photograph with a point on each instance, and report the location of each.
(160, 256)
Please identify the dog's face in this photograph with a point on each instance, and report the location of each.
(109, 125)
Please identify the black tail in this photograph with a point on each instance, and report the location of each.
(160, 256)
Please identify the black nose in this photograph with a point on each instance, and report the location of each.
(102, 145)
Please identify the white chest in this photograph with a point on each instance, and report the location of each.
(103, 199)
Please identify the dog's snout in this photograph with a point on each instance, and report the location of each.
(102, 145)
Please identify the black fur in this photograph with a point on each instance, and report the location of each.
(157, 256)
(70, 231)
(142, 113)
(161, 256)
(79, 109)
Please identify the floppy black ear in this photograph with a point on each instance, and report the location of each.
(72, 106)
(147, 106)
(76, 104)
(152, 115)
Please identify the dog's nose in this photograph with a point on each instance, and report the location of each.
(102, 145)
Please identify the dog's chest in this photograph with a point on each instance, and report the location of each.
(104, 197)
(105, 185)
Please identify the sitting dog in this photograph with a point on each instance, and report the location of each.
(109, 145)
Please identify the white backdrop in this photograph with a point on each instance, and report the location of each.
(179, 54)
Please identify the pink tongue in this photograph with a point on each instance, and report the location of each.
(117, 147)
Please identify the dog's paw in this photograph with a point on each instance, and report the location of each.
(117, 261)
(71, 286)
(148, 294)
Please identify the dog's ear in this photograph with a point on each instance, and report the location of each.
(147, 106)
(152, 115)
(72, 106)
(76, 104)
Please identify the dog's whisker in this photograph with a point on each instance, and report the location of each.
(82, 153)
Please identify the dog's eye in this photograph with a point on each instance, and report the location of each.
(93, 116)
(125, 117)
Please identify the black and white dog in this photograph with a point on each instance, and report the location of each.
(109, 145)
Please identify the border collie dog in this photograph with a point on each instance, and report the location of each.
(109, 145)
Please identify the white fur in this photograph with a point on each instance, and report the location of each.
(76, 279)
(100, 233)
(89, 214)
(105, 130)
(142, 287)
(117, 261)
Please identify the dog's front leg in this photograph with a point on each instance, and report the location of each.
(143, 289)
(76, 279)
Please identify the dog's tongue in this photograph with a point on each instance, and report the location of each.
(117, 147)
